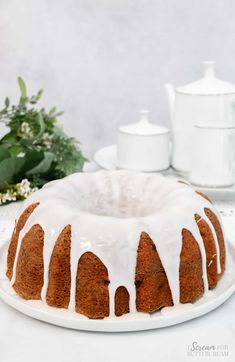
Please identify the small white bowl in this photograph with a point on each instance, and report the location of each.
(143, 146)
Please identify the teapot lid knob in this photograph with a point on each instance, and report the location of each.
(209, 67)
(144, 113)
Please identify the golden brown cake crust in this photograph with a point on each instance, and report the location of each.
(121, 301)
(190, 271)
(216, 224)
(92, 294)
(58, 292)
(152, 288)
(29, 269)
(15, 236)
(211, 256)
(204, 196)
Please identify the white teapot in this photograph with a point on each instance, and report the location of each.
(209, 101)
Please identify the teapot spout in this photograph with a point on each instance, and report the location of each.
(171, 97)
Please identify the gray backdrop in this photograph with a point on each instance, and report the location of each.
(103, 60)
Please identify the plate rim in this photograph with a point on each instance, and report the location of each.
(112, 147)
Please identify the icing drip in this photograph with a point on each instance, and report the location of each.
(107, 212)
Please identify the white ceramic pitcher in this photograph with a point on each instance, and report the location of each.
(208, 100)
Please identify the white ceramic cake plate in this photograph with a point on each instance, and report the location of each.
(135, 322)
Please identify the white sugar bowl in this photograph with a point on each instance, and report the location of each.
(143, 146)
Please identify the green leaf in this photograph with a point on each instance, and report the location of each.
(59, 114)
(58, 132)
(43, 166)
(9, 138)
(25, 142)
(22, 86)
(8, 169)
(32, 159)
(52, 110)
(7, 102)
(4, 153)
(41, 123)
(3, 112)
(15, 150)
(39, 94)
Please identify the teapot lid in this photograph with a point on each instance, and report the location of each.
(143, 127)
(208, 85)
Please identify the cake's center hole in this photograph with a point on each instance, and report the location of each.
(125, 205)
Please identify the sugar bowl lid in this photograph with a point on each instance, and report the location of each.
(208, 85)
(143, 127)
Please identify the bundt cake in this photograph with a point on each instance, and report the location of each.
(109, 243)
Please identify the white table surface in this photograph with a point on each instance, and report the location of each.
(24, 339)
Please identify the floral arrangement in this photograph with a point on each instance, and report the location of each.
(35, 150)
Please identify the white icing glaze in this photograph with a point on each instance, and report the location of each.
(107, 212)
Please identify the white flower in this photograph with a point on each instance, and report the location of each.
(21, 155)
(9, 195)
(47, 140)
(25, 130)
(21, 190)
(38, 147)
